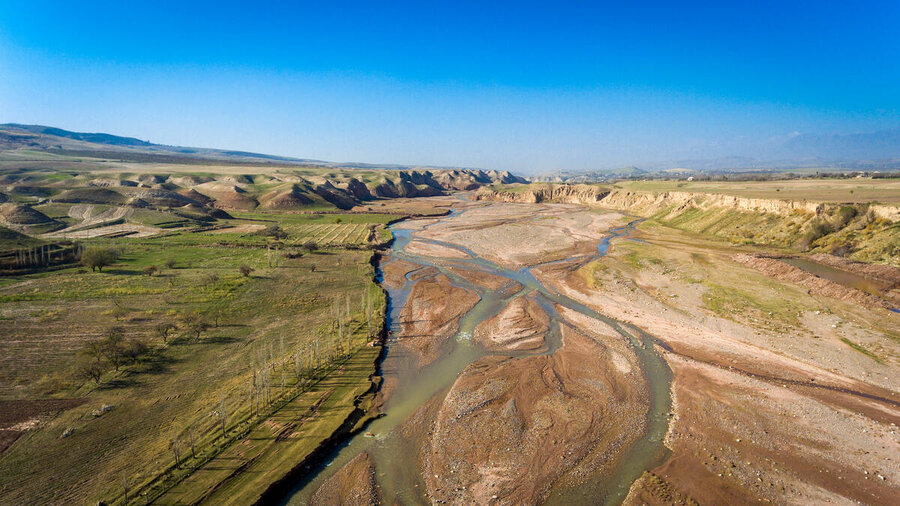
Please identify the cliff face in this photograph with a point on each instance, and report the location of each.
(862, 232)
(650, 203)
(568, 194)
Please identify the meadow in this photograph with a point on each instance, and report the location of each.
(260, 328)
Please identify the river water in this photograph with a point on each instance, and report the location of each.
(395, 461)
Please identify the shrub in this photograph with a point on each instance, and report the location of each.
(150, 270)
(816, 231)
(133, 349)
(273, 231)
(170, 264)
(246, 270)
(310, 246)
(209, 279)
(844, 215)
(97, 258)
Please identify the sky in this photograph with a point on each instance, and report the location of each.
(523, 86)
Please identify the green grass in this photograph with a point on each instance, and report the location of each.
(820, 190)
(860, 349)
(52, 314)
(727, 301)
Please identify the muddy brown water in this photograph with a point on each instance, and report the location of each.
(395, 460)
(838, 276)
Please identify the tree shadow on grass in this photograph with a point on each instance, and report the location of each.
(219, 340)
(124, 272)
(154, 363)
(117, 383)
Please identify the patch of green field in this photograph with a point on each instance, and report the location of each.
(177, 385)
(318, 218)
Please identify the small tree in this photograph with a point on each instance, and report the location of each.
(113, 346)
(194, 323)
(175, 446)
(150, 270)
(90, 367)
(310, 246)
(170, 263)
(163, 329)
(120, 312)
(97, 258)
(246, 270)
(133, 349)
(189, 430)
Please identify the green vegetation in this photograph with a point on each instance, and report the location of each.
(849, 230)
(206, 328)
(729, 301)
(860, 349)
(857, 190)
(260, 323)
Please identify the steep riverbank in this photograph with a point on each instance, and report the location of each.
(859, 231)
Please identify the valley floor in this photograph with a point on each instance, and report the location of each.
(541, 389)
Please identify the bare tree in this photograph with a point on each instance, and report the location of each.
(194, 323)
(113, 346)
(126, 482)
(90, 367)
(163, 329)
(189, 430)
(222, 414)
(175, 446)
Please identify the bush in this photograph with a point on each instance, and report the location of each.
(273, 231)
(97, 258)
(170, 264)
(150, 270)
(246, 270)
(310, 246)
(133, 349)
(844, 215)
(209, 279)
(816, 231)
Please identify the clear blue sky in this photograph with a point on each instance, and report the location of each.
(518, 85)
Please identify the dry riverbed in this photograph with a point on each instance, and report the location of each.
(777, 393)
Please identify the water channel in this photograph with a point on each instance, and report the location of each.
(395, 460)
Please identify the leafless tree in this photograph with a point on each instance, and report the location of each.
(163, 329)
(189, 430)
(175, 446)
(113, 346)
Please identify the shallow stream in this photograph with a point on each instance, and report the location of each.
(395, 461)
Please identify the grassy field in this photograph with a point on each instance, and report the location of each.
(123, 428)
(820, 190)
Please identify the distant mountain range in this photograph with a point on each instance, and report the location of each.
(51, 139)
(873, 151)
